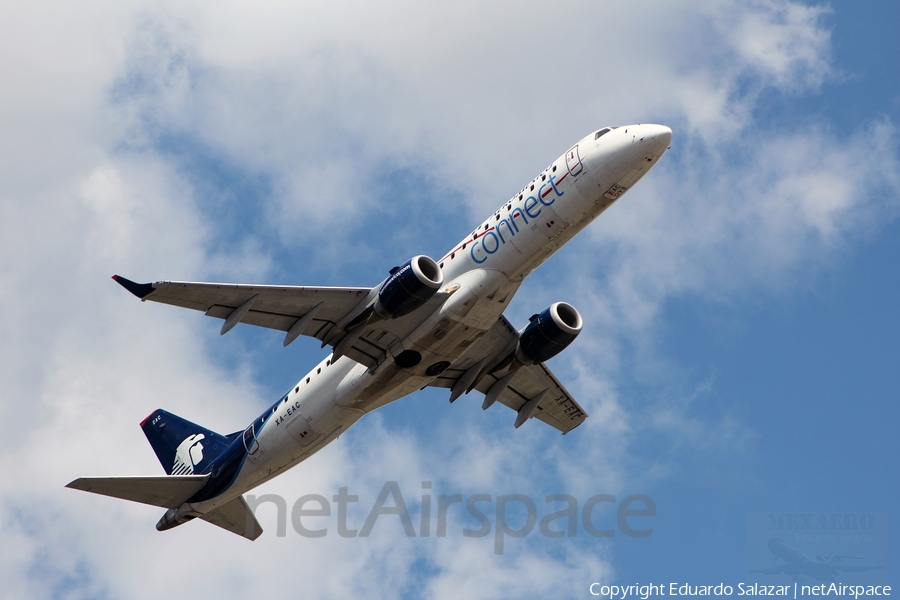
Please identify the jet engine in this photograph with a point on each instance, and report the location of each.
(548, 333)
(409, 287)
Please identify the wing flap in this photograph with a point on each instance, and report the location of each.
(557, 408)
(277, 307)
(270, 320)
(165, 491)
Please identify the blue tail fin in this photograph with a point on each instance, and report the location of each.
(182, 447)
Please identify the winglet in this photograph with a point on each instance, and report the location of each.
(141, 290)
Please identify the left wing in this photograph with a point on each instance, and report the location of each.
(531, 391)
(319, 312)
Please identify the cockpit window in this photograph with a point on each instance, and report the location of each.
(603, 131)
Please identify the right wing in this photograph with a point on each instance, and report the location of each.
(556, 406)
(319, 312)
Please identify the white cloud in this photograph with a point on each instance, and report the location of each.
(113, 112)
(786, 43)
(338, 97)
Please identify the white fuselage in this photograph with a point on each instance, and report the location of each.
(485, 269)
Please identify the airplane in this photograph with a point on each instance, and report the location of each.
(429, 323)
(796, 563)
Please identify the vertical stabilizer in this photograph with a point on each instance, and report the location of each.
(182, 447)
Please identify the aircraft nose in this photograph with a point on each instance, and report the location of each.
(655, 134)
(625, 153)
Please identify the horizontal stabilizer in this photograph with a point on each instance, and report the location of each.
(236, 517)
(166, 491)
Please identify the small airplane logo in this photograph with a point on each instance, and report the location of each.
(795, 563)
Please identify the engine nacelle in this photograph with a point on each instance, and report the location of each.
(548, 333)
(409, 287)
(175, 517)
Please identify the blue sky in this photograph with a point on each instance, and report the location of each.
(740, 352)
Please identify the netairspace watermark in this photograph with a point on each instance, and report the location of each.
(506, 515)
(794, 590)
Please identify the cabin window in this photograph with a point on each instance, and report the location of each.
(532, 187)
(319, 370)
(543, 178)
(554, 168)
(307, 380)
(452, 255)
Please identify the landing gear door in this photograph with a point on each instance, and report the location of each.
(573, 161)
